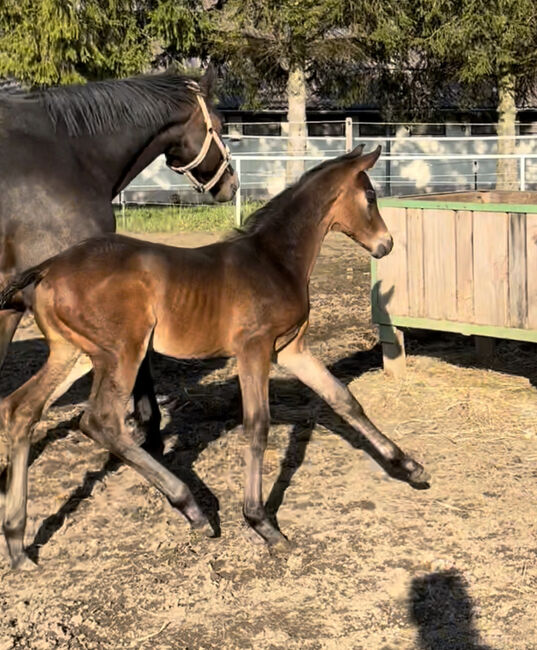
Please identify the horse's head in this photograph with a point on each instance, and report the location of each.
(197, 150)
(355, 211)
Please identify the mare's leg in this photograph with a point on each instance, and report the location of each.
(146, 409)
(253, 368)
(19, 413)
(314, 374)
(105, 422)
(9, 320)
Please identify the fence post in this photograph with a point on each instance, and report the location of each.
(522, 173)
(122, 201)
(348, 134)
(238, 219)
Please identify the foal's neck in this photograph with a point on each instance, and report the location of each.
(296, 235)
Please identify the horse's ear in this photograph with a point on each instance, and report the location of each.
(208, 81)
(367, 161)
(356, 152)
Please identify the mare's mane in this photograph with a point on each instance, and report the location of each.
(102, 107)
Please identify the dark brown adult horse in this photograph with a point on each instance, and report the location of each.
(66, 152)
(113, 297)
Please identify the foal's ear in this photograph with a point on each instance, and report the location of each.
(357, 151)
(367, 161)
(208, 82)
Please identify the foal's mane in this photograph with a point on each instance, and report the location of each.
(107, 106)
(276, 210)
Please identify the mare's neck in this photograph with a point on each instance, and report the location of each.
(114, 159)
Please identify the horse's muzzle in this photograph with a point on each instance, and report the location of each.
(227, 189)
(383, 247)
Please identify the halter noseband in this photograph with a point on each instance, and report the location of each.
(209, 137)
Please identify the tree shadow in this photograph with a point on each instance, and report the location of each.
(440, 606)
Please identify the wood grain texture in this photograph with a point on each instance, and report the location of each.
(439, 264)
(531, 266)
(392, 270)
(465, 265)
(416, 280)
(491, 268)
(518, 287)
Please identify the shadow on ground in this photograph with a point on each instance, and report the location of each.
(441, 608)
(202, 413)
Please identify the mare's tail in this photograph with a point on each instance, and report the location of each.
(33, 275)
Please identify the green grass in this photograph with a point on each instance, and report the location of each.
(177, 218)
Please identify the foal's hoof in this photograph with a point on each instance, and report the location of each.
(202, 529)
(265, 533)
(23, 563)
(417, 476)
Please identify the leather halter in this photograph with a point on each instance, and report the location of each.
(211, 136)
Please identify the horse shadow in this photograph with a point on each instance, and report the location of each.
(440, 606)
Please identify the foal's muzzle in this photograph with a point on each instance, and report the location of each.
(383, 247)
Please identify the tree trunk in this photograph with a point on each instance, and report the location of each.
(296, 122)
(507, 173)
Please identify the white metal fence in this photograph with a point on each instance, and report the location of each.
(409, 164)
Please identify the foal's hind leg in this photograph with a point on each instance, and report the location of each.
(314, 374)
(104, 422)
(19, 413)
(253, 367)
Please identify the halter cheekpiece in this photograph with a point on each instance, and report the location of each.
(209, 137)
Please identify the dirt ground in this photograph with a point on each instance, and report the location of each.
(376, 565)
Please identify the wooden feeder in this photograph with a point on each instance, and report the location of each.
(462, 262)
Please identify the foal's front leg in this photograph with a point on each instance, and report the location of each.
(297, 358)
(253, 367)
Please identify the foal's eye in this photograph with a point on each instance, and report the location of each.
(371, 196)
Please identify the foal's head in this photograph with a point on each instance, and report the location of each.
(355, 211)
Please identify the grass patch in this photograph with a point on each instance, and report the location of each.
(178, 218)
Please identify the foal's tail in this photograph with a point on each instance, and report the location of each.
(33, 275)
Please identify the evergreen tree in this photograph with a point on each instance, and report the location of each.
(478, 44)
(44, 42)
(289, 44)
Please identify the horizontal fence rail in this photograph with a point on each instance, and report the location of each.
(262, 176)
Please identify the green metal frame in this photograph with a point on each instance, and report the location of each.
(455, 205)
(387, 322)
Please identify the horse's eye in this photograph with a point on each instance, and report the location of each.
(371, 196)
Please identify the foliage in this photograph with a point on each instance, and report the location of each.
(47, 42)
(464, 50)
(260, 42)
(177, 218)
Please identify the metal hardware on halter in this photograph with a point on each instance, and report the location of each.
(210, 136)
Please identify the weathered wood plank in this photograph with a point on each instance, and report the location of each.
(518, 289)
(491, 273)
(392, 270)
(416, 283)
(465, 265)
(439, 259)
(531, 265)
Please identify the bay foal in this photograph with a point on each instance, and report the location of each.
(112, 297)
